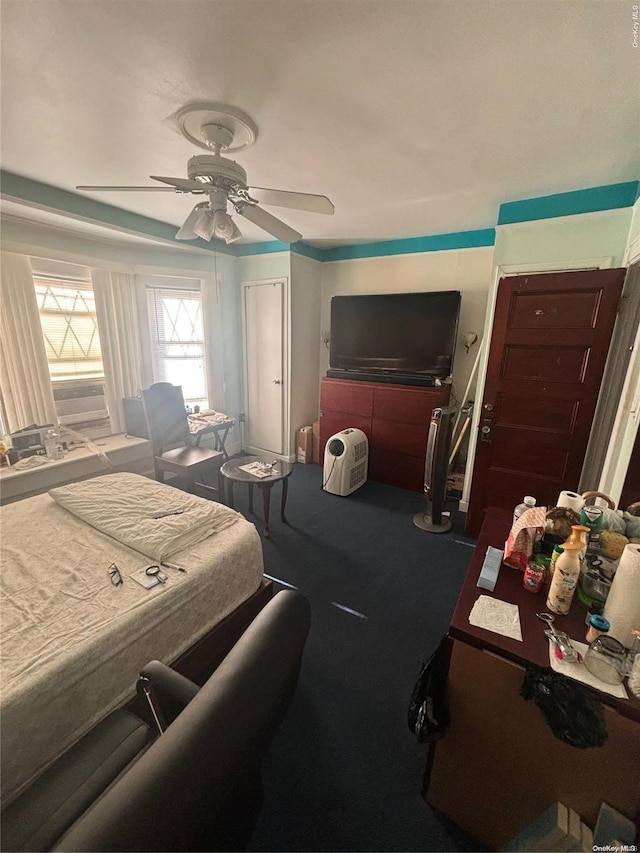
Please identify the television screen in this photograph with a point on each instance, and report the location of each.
(403, 333)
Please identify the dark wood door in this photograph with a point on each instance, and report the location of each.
(549, 344)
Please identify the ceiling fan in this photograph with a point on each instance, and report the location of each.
(219, 128)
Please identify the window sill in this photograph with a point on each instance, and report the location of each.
(124, 454)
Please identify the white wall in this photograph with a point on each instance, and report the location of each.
(57, 244)
(257, 267)
(565, 238)
(305, 296)
(466, 270)
(632, 253)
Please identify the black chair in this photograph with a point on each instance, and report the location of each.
(173, 451)
(198, 785)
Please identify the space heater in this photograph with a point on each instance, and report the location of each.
(346, 458)
(436, 468)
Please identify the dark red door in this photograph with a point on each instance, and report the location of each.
(549, 345)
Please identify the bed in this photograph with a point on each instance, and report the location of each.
(72, 641)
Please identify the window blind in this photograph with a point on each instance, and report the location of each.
(68, 317)
(177, 334)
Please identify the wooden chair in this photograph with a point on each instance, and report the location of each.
(170, 439)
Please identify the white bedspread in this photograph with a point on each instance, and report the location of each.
(145, 515)
(73, 643)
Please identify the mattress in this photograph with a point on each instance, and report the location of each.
(73, 643)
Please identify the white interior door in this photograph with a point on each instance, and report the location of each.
(264, 325)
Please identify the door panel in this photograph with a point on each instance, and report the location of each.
(541, 363)
(559, 311)
(264, 324)
(513, 410)
(549, 345)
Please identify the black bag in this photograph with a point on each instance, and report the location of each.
(573, 715)
(428, 716)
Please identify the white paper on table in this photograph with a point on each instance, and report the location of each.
(498, 616)
(579, 672)
(255, 468)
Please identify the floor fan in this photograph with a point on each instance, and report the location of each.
(436, 468)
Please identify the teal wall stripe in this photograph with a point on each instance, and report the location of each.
(413, 245)
(56, 199)
(545, 207)
(308, 251)
(590, 200)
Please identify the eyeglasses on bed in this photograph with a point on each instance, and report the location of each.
(114, 574)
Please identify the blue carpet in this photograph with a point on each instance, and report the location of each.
(344, 772)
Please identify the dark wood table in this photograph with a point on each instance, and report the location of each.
(534, 647)
(231, 473)
(500, 766)
(199, 427)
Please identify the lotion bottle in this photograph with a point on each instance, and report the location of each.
(565, 578)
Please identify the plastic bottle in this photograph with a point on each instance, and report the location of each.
(597, 625)
(53, 445)
(557, 550)
(526, 504)
(565, 578)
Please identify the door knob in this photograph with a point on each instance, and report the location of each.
(277, 382)
(485, 430)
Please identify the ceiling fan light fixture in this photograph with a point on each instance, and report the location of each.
(225, 228)
(205, 225)
(188, 232)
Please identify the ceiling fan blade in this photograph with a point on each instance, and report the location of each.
(132, 189)
(270, 224)
(183, 184)
(299, 201)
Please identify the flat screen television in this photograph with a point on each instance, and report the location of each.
(409, 337)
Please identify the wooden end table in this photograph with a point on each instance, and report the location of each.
(231, 473)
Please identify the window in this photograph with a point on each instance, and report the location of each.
(177, 335)
(70, 329)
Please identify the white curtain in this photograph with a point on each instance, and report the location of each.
(212, 343)
(117, 313)
(27, 392)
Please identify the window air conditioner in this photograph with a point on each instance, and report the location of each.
(78, 404)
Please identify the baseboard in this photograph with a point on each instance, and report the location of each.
(463, 506)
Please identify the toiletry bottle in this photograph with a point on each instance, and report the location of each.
(580, 534)
(557, 550)
(597, 625)
(565, 578)
(53, 445)
(526, 504)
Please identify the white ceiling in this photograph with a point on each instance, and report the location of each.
(415, 117)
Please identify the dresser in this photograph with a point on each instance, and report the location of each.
(395, 419)
(500, 766)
